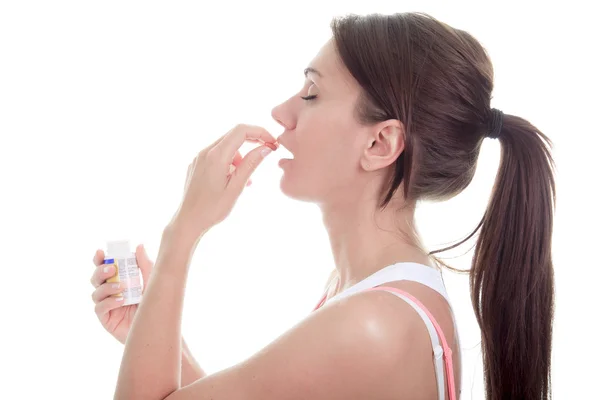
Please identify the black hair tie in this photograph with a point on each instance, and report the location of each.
(495, 124)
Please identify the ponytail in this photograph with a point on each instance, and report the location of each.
(512, 278)
(438, 81)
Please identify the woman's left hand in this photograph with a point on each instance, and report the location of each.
(210, 189)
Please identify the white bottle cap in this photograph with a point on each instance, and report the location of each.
(117, 249)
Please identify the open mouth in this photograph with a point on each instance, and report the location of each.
(287, 154)
(287, 157)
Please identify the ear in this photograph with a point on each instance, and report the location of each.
(384, 145)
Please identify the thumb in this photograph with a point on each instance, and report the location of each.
(248, 165)
(144, 262)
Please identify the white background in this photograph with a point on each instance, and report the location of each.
(104, 104)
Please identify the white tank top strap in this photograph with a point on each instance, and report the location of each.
(439, 354)
(428, 276)
(409, 271)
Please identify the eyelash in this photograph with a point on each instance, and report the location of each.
(308, 98)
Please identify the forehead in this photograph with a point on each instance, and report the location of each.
(335, 74)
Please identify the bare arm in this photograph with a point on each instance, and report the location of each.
(347, 350)
(154, 345)
(190, 369)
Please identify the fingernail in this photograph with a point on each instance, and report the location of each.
(265, 151)
(120, 298)
(116, 285)
(107, 269)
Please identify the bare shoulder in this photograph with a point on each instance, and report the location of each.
(368, 345)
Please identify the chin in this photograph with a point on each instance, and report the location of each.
(292, 189)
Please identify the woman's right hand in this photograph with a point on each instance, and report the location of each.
(113, 316)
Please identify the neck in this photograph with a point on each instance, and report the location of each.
(365, 239)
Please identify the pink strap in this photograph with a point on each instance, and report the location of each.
(447, 351)
(320, 302)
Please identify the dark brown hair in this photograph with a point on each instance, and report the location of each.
(438, 81)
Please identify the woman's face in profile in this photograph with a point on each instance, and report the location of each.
(322, 133)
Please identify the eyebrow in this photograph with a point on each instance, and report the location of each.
(314, 71)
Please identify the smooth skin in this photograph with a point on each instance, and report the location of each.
(368, 345)
(363, 347)
(116, 318)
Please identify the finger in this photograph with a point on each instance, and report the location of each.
(102, 273)
(105, 290)
(272, 145)
(232, 168)
(237, 159)
(250, 139)
(99, 257)
(107, 305)
(234, 139)
(241, 175)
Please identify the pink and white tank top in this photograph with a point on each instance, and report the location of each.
(428, 276)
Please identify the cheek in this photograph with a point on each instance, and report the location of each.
(331, 162)
(328, 150)
(328, 135)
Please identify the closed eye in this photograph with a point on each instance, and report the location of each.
(309, 97)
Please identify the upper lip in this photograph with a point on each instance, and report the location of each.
(281, 143)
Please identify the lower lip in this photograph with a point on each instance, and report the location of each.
(284, 161)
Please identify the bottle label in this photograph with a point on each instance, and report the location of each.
(129, 275)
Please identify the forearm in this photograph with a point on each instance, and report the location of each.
(190, 369)
(152, 359)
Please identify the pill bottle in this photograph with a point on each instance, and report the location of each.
(128, 274)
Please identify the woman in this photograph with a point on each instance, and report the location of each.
(390, 102)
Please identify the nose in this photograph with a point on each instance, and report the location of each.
(284, 115)
(275, 115)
